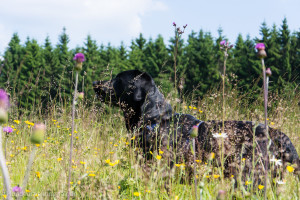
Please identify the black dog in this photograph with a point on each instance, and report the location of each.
(149, 116)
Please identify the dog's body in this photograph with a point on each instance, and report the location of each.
(148, 114)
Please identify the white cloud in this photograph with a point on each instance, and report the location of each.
(104, 18)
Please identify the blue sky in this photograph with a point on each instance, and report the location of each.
(123, 20)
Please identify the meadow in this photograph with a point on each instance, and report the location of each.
(106, 164)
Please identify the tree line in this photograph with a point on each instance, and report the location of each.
(34, 73)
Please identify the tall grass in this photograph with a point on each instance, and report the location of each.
(106, 164)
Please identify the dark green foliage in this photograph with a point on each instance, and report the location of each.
(43, 75)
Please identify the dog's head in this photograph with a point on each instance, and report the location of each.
(135, 90)
(129, 87)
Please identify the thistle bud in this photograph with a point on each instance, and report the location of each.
(268, 72)
(261, 53)
(194, 132)
(80, 95)
(3, 116)
(79, 58)
(221, 195)
(37, 136)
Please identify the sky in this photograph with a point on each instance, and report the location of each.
(116, 21)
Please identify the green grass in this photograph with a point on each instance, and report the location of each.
(101, 135)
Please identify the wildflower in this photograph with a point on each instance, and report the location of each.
(212, 155)
(17, 189)
(37, 136)
(161, 152)
(38, 175)
(223, 42)
(148, 191)
(268, 72)
(220, 135)
(200, 111)
(36, 195)
(27, 191)
(132, 138)
(158, 157)
(151, 152)
(59, 159)
(137, 194)
(261, 187)
(116, 145)
(221, 195)
(244, 159)
(83, 163)
(92, 175)
(78, 182)
(79, 58)
(4, 196)
(194, 131)
(277, 162)
(174, 24)
(7, 129)
(198, 161)
(247, 182)
(290, 168)
(114, 163)
(4, 100)
(111, 152)
(17, 121)
(216, 176)
(261, 53)
(80, 95)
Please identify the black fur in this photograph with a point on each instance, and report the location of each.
(149, 116)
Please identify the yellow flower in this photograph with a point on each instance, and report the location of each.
(75, 131)
(27, 191)
(74, 166)
(119, 187)
(37, 145)
(36, 195)
(151, 152)
(24, 148)
(136, 194)
(208, 176)
(38, 175)
(244, 159)
(116, 145)
(59, 159)
(111, 152)
(12, 155)
(198, 161)
(261, 187)
(177, 165)
(78, 182)
(216, 176)
(161, 152)
(232, 176)
(290, 168)
(71, 183)
(185, 107)
(148, 191)
(17, 121)
(81, 162)
(176, 198)
(272, 123)
(12, 142)
(4, 196)
(107, 161)
(158, 157)
(247, 183)
(200, 111)
(212, 156)
(132, 138)
(92, 174)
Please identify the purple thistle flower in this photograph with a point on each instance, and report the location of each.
(223, 43)
(260, 46)
(4, 99)
(17, 189)
(79, 57)
(174, 24)
(185, 26)
(7, 129)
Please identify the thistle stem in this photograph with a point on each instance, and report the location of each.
(4, 169)
(266, 125)
(194, 147)
(71, 143)
(27, 173)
